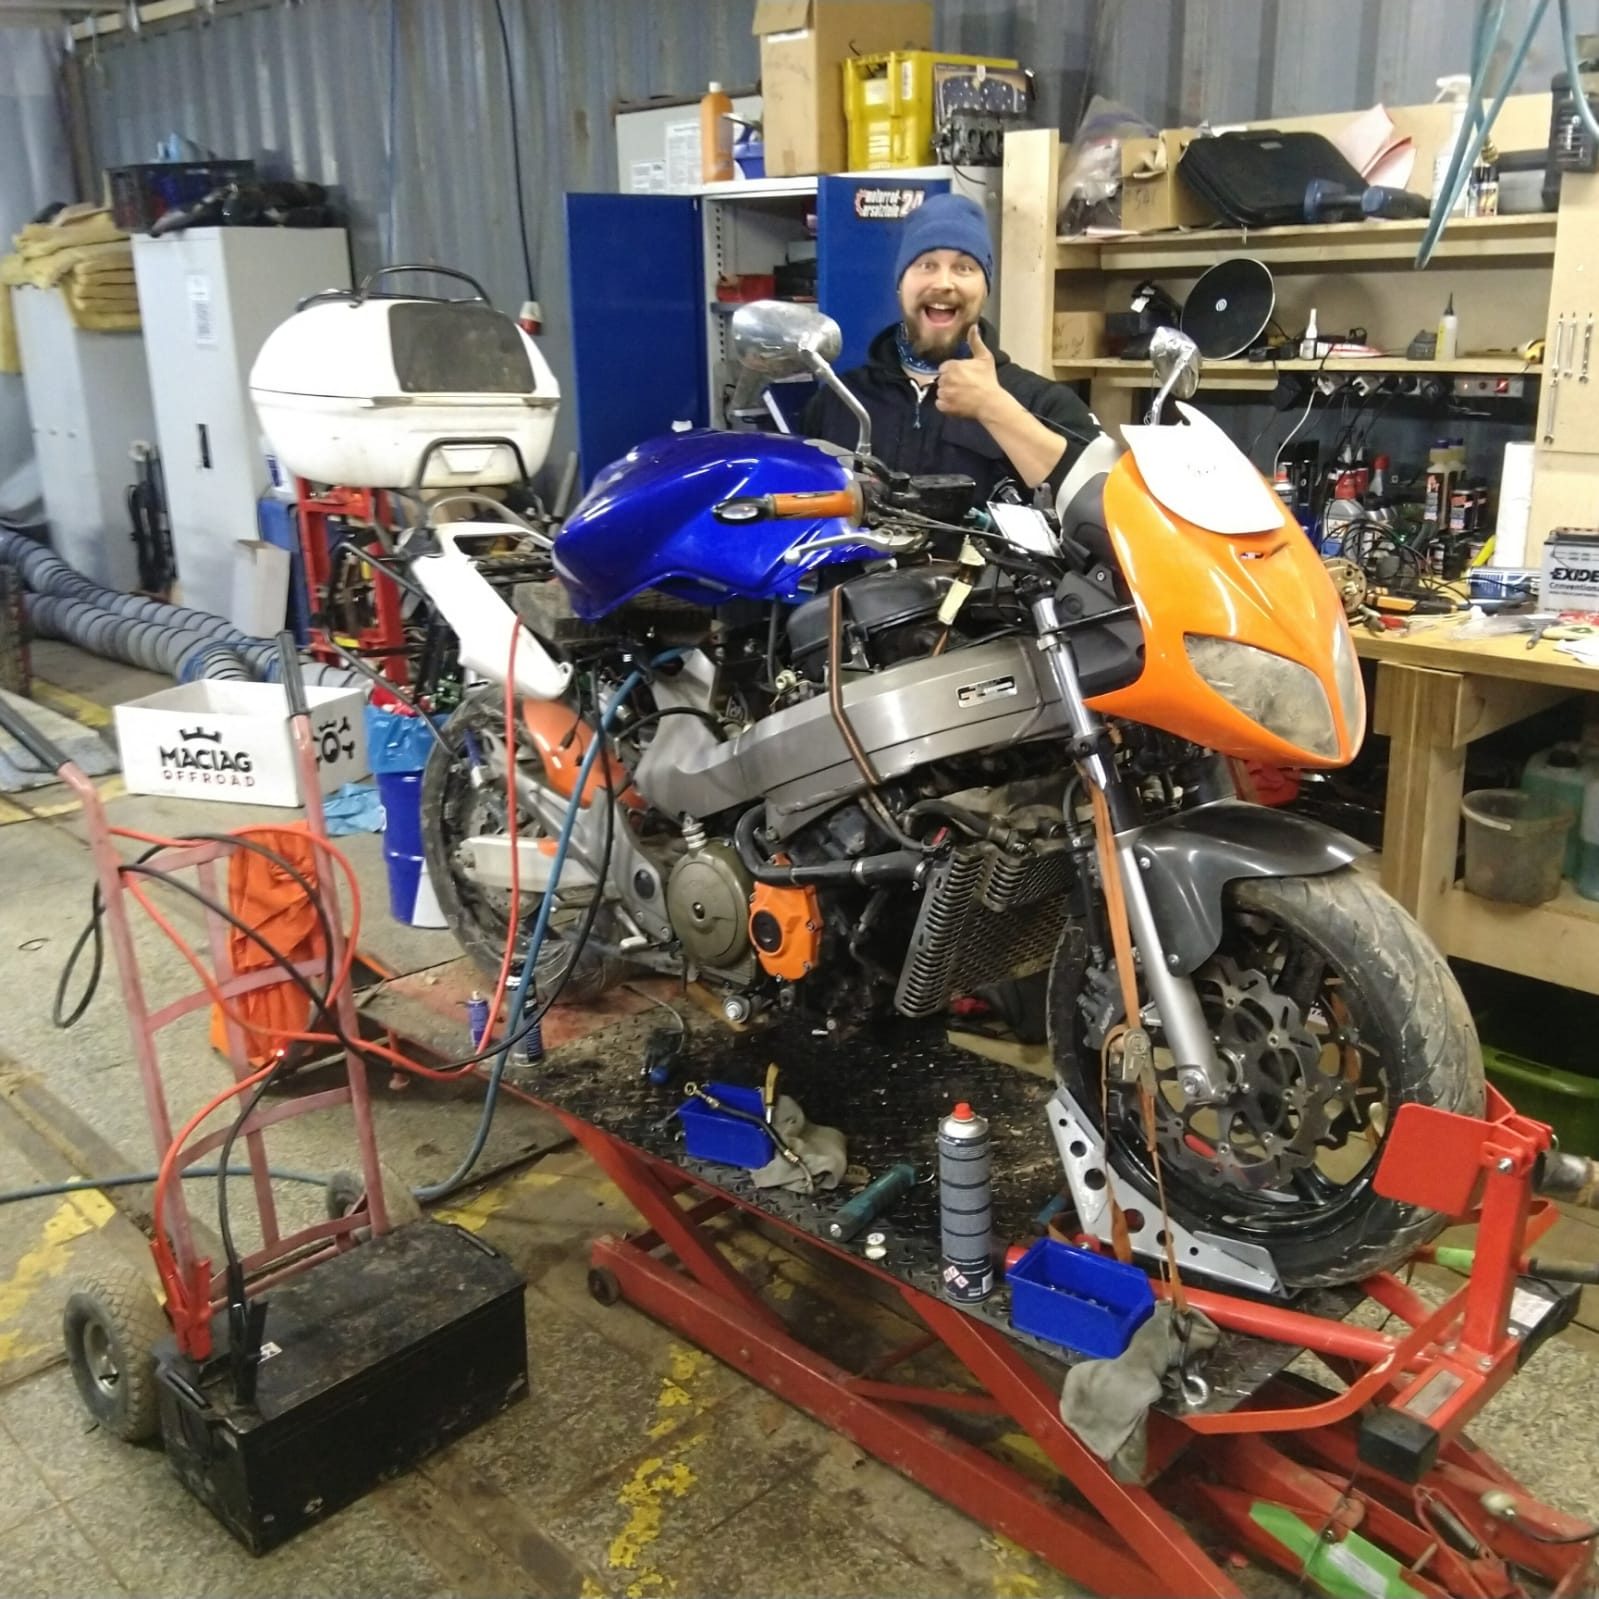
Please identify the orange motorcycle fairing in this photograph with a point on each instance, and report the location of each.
(562, 739)
(1246, 647)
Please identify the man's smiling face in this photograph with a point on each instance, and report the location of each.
(940, 298)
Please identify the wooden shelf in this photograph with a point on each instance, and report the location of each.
(1263, 375)
(1487, 241)
(1557, 942)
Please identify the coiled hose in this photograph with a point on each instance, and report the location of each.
(185, 644)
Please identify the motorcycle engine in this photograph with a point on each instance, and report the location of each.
(887, 617)
(708, 902)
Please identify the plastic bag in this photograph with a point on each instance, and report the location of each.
(396, 741)
(1479, 624)
(1091, 184)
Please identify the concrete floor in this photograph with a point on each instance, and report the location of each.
(637, 1466)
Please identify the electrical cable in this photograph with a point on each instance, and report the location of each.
(92, 928)
(525, 983)
(321, 999)
(709, 718)
(516, 145)
(84, 1185)
(672, 1010)
(1276, 460)
(391, 129)
(379, 680)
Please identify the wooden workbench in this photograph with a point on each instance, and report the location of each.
(1435, 695)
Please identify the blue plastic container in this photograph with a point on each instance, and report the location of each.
(411, 896)
(1080, 1300)
(709, 1135)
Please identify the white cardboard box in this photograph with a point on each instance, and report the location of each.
(1569, 580)
(230, 741)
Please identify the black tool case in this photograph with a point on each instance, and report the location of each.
(1257, 178)
(373, 1360)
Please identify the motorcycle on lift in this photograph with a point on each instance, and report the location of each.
(869, 747)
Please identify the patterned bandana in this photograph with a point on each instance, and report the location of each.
(912, 362)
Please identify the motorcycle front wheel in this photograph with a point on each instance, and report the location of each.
(453, 810)
(1330, 1009)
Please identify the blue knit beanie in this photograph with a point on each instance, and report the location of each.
(946, 222)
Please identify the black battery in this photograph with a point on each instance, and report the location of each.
(371, 1361)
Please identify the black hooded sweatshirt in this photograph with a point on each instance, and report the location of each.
(912, 435)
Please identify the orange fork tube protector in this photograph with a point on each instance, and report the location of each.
(1269, 590)
(562, 740)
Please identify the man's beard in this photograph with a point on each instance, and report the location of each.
(935, 346)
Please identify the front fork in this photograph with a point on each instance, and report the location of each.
(1199, 1071)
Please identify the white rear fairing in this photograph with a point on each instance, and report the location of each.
(1200, 475)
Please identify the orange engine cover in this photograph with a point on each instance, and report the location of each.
(786, 929)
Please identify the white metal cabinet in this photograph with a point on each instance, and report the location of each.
(88, 403)
(208, 298)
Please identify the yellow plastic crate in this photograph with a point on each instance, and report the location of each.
(888, 105)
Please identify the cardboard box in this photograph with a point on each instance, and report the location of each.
(230, 741)
(803, 47)
(1569, 580)
(1079, 335)
(1154, 198)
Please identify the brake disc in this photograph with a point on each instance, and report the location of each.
(1282, 1106)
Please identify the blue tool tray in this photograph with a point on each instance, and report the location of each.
(1078, 1299)
(710, 1135)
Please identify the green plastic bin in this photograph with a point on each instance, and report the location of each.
(1567, 1102)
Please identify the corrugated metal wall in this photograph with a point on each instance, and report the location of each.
(401, 104)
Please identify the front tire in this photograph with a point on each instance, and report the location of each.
(453, 809)
(1333, 967)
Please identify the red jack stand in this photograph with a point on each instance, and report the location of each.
(384, 639)
(1372, 1490)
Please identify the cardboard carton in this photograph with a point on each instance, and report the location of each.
(803, 46)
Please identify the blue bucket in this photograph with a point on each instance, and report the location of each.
(411, 896)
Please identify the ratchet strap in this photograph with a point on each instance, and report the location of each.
(1121, 940)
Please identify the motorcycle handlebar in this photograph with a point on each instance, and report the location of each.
(847, 502)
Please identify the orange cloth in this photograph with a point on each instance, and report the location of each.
(263, 896)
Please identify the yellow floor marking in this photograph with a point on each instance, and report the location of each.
(1011, 1578)
(477, 1212)
(662, 1477)
(75, 1216)
(89, 712)
(1022, 1451)
(109, 788)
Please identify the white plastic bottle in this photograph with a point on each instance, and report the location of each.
(1454, 90)
(1448, 334)
(1307, 345)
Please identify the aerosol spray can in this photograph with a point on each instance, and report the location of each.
(477, 1019)
(964, 1208)
(528, 1049)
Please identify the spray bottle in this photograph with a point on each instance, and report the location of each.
(965, 1210)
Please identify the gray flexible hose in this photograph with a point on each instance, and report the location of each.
(185, 644)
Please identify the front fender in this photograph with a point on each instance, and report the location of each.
(1189, 859)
